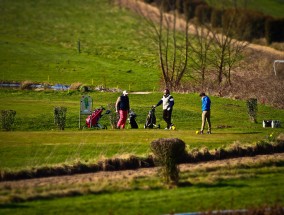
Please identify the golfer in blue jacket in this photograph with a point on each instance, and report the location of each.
(206, 106)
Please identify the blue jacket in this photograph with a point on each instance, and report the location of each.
(206, 103)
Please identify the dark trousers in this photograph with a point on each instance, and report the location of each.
(167, 116)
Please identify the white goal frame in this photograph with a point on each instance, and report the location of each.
(276, 61)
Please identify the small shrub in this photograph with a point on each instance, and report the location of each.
(84, 89)
(26, 85)
(75, 86)
(60, 117)
(113, 116)
(167, 152)
(252, 109)
(7, 119)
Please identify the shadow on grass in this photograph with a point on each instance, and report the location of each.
(252, 132)
(219, 184)
(12, 206)
(207, 185)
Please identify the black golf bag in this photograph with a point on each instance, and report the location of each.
(132, 120)
(151, 119)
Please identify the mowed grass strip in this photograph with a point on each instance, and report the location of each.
(33, 149)
(35, 140)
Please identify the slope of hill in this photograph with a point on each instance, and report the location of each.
(39, 42)
(254, 77)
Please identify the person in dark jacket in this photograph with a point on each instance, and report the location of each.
(206, 106)
(168, 102)
(122, 107)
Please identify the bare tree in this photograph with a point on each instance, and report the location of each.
(172, 40)
(200, 51)
(210, 52)
(224, 51)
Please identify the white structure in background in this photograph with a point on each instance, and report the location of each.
(274, 66)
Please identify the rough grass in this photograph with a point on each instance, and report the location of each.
(130, 161)
(198, 189)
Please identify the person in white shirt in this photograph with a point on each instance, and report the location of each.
(168, 102)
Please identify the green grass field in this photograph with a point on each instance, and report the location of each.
(113, 52)
(269, 7)
(39, 42)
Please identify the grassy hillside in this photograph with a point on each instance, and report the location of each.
(39, 42)
(269, 7)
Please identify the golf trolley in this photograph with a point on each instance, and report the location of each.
(92, 121)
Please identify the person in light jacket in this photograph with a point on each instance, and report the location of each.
(168, 102)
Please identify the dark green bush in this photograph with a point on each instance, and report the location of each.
(167, 152)
(216, 17)
(203, 13)
(244, 24)
(60, 117)
(252, 109)
(7, 119)
(148, 1)
(274, 30)
(166, 5)
(189, 7)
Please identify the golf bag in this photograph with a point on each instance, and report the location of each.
(92, 121)
(132, 120)
(271, 123)
(151, 119)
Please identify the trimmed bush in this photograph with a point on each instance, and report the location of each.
(252, 109)
(167, 152)
(7, 119)
(60, 117)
